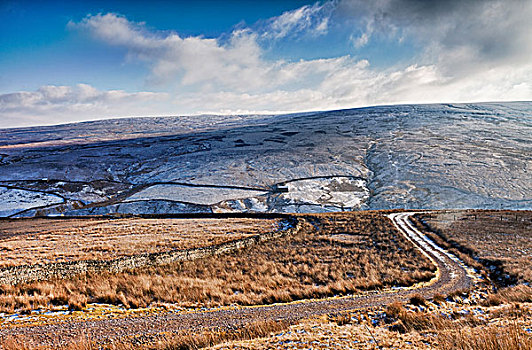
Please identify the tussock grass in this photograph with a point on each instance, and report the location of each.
(402, 327)
(404, 321)
(179, 341)
(465, 331)
(337, 254)
(520, 293)
(81, 343)
(510, 337)
(212, 337)
(418, 299)
(499, 241)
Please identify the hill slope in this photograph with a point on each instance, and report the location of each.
(411, 156)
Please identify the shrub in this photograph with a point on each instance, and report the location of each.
(418, 300)
(438, 298)
(493, 300)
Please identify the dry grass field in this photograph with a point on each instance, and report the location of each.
(501, 241)
(32, 241)
(335, 254)
(448, 326)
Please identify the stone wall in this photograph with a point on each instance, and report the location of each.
(29, 273)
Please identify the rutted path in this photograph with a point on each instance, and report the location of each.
(451, 276)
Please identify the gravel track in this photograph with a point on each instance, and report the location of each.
(451, 276)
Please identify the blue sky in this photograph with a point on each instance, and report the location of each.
(38, 29)
(73, 61)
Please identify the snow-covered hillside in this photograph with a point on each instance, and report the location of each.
(412, 156)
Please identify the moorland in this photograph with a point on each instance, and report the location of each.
(342, 279)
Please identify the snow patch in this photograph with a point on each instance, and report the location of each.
(196, 195)
(344, 192)
(15, 200)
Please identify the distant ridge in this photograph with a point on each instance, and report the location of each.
(472, 155)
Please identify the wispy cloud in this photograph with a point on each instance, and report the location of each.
(306, 20)
(467, 51)
(460, 44)
(58, 104)
(192, 60)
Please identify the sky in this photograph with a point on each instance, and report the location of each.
(74, 61)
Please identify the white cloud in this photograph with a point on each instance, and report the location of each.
(237, 66)
(460, 36)
(306, 20)
(195, 60)
(355, 85)
(469, 51)
(362, 40)
(58, 104)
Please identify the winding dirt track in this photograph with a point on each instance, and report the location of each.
(451, 276)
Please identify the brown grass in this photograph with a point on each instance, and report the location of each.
(417, 299)
(438, 298)
(498, 241)
(520, 293)
(32, 241)
(403, 321)
(401, 326)
(179, 341)
(464, 331)
(81, 343)
(510, 337)
(213, 337)
(350, 252)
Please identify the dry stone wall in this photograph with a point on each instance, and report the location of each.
(29, 273)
